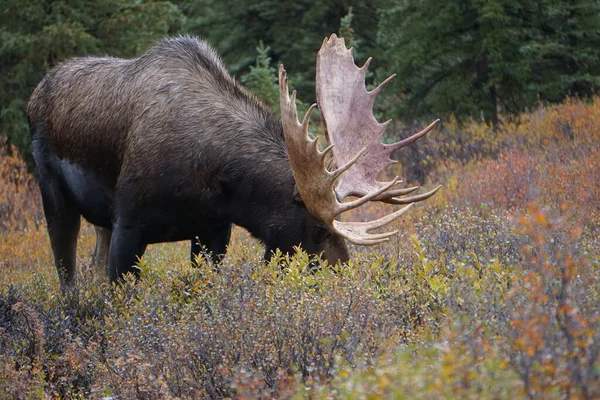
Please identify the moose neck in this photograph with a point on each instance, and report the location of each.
(264, 185)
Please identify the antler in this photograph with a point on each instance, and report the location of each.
(347, 110)
(316, 184)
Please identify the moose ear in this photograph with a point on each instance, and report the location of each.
(296, 196)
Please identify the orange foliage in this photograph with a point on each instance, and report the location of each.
(573, 121)
(22, 238)
(550, 156)
(20, 202)
(554, 338)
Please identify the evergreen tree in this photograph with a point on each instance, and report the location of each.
(479, 58)
(293, 30)
(36, 35)
(565, 49)
(472, 58)
(262, 79)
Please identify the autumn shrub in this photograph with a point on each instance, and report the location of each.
(254, 329)
(246, 329)
(456, 311)
(550, 157)
(468, 236)
(449, 143)
(555, 322)
(48, 340)
(575, 122)
(525, 330)
(558, 178)
(21, 342)
(20, 203)
(464, 364)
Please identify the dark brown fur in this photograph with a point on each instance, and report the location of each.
(164, 147)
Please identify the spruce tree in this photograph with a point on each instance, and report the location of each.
(482, 58)
(36, 35)
(293, 30)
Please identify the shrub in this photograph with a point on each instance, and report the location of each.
(481, 295)
(20, 203)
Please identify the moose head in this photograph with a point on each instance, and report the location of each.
(349, 166)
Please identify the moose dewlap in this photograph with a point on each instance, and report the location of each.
(170, 147)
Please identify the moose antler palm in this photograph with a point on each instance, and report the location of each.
(346, 107)
(347, 110)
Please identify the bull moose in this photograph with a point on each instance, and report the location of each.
(168, 147)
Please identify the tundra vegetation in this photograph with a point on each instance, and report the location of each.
(491, 289)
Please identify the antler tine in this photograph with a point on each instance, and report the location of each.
(313, 181)
(331, 161)
(324, 156)
(358, 235)
(391, 193)
(393, 196)
(335, 174)
(413, 138)
(308, 114)
(353, 204)
(401, 191)
(357, 232)
(376, 91)
(393, 199)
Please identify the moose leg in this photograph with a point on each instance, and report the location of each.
(100, 257)
(278, 241)
(63, 221)
(126, 247)
(214, 243)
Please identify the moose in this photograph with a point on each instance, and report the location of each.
(169, 147)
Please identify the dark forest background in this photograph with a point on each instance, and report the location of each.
(472, 59)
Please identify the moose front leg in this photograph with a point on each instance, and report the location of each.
(100, 257)
(126, 248)
(214, 243)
